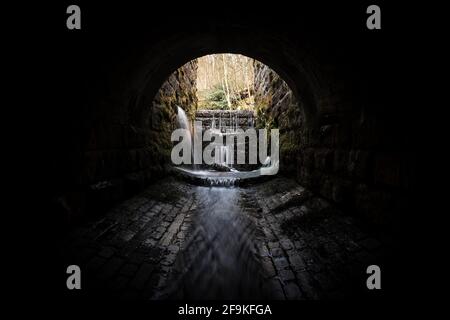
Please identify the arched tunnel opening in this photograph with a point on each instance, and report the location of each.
(144, 227)
(230, 107)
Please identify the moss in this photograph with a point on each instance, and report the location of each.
(178, 90)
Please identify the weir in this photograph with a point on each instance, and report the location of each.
(225, 170)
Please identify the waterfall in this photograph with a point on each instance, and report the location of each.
(183, 120)
(184, 123)
(223, 172)
(222, 182)
(266, 162)
(223, 155)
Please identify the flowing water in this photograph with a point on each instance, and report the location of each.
(223, 157)
(219, 259)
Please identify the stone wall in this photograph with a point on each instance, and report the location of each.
(336, 155)
(122, 158)
(277, 107)
(178, 91)
(228, 119)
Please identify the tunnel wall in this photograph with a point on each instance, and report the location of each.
(356, 147)
(122, 158)
(277, 107)
(178, 90)
(336, 159)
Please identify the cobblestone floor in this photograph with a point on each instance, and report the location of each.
(274, 240)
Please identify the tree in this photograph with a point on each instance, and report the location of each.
(225, 77)
(232, 73)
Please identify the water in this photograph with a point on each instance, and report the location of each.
(223, 157)
(219, 260)
(184, 123)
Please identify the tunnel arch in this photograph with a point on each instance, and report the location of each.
(117, 145)
(297, 101)
(301, 75)
(343, 154)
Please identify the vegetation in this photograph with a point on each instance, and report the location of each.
(225, 81)
(216, 98)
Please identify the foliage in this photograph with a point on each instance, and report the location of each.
(225, 81)
(216, 98)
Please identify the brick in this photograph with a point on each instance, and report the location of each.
(287, 275)
(281, 263)
(268, 267)
(286, 244)
(297, 262)
(276, 252)
(292, 291)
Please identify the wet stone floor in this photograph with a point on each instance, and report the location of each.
(274, 240)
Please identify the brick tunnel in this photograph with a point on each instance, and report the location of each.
(140, 232)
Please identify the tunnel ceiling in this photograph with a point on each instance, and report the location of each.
(142, 53)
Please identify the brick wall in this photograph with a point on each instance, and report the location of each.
(339, 156)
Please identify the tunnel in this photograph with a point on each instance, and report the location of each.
(142, 231)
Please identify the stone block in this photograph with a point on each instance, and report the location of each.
(292, 291)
